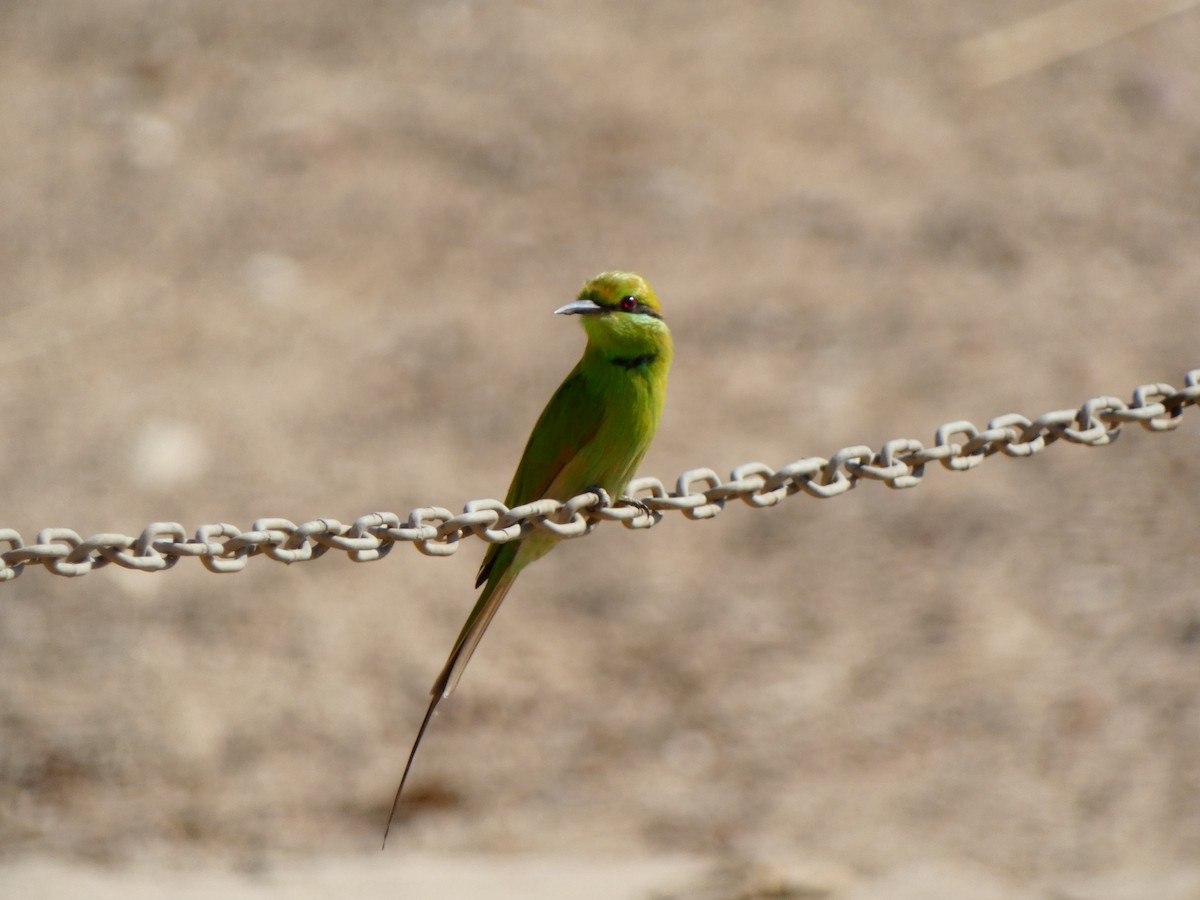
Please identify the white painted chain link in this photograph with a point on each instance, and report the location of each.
(699, 494)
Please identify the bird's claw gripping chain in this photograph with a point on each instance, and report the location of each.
(629, 511)
(636, 504)
(603, 500)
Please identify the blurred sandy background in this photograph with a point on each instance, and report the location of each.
(265, 259)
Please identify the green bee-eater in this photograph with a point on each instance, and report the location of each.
(592, 434)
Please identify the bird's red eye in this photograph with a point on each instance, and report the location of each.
(629, 304)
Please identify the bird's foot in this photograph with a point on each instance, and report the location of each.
(605, 500)
(636, 504)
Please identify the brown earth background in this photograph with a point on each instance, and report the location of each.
(299, 260)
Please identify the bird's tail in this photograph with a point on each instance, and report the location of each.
(468, 639)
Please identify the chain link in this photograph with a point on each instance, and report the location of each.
(699, 494)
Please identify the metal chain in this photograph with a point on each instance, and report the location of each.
(699, 494)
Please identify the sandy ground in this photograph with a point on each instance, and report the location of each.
(299, 260)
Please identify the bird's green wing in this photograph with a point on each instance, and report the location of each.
(569, 421)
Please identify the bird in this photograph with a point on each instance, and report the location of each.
(591, 436)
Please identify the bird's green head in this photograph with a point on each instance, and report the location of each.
(620, 312)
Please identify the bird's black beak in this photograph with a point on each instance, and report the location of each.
(579, 308)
